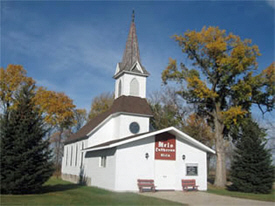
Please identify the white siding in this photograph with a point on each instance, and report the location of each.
(132, 165)
(117, 127)
(126, 80)
(103, 134)
(192, 155)
(123, 122)
(74, 168)
(103, 177)
(127, 163)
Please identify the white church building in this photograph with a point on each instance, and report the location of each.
(116, 148)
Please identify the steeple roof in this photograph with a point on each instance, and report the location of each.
(131, 53)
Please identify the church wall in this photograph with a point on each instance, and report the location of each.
(193, 156)
(117, 127)
(101, 176)
(103, 134)
(73, 161)
(131, 157)
(125, 85)
(123, 122)
(132, 164)
(127, 163)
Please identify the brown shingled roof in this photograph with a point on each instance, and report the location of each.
(127, 104)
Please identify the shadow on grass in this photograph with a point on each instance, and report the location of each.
(58, 188)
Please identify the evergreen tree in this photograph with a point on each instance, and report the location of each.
(251, 169)
(25, 155)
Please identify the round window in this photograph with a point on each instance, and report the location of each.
(134, 127)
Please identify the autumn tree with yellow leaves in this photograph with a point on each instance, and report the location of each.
(80, 116)
(100, 104)
(11, 80)
(58, 111)
(197, 127)
(221, 82)
(57, 108)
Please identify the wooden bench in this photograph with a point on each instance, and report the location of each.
(146, 184)
(189, 183)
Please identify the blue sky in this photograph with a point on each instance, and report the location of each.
(74, 46)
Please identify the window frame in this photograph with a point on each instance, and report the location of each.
(196, 165)
(103, 161)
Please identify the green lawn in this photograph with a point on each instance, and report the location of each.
(261, 197)
(59, 192)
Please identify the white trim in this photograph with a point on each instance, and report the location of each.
(137, 64)
(129, 72)
(117, 68)
(172, 130)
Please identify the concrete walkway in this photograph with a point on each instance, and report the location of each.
(204, 198)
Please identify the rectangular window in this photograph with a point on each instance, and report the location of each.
(103, 161)
(76, 151)
(191, 169)
(81, 163)
(66, 156)
(71, 162)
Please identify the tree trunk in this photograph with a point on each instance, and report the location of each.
(220, 176)
(59, 148)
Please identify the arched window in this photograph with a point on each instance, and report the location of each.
(134, 87)
(119, 88)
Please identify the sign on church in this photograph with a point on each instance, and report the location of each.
(165, 147)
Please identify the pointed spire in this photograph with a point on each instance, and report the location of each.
(131, 52)
(133, 16)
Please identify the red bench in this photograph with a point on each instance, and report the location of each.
(189, 183)
(146, 184)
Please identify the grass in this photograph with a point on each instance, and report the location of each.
(59, 192)
(260, 197)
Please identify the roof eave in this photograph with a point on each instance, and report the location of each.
(75, 140)
(129, 72)
(173, 130)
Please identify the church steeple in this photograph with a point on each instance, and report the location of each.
(130, 75)
(131, 53)
(133, 16)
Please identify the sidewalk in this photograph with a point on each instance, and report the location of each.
(204, 198)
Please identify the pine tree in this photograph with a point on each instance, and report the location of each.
(251, 169)
(25, 155)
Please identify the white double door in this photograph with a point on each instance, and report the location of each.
(165, 174)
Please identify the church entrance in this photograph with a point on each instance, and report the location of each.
(165, 156)
(165, 175)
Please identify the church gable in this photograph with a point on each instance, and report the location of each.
(124, 104)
